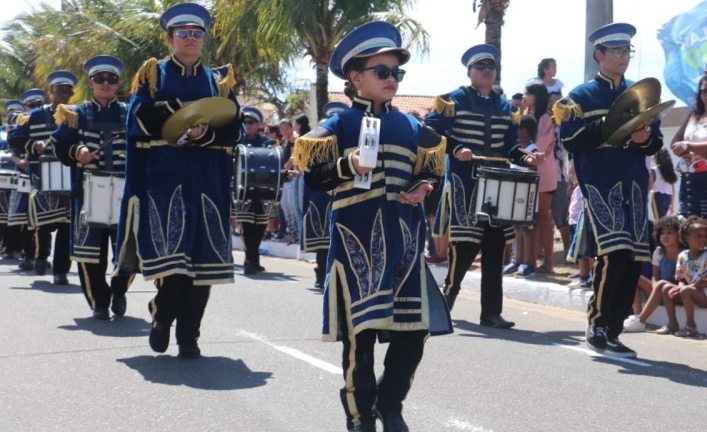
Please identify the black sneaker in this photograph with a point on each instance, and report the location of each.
(615, 348)
(101, 314)
(119, 304)
(190, 351)
(40, 267)
(159, 338)
(596, 338)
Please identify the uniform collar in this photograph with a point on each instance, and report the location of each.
(609, 82)
(183, 69)
(367, 105)
(478, 92)
(108, 105)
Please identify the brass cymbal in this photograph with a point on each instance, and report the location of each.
(214, 111)
(638, 122)
(634, 100)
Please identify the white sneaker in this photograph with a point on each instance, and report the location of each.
(633, 325)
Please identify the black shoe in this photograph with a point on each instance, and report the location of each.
(497, 321)
(318, 284)
(40, 267)
(159, 338)
(61, 279)
(26, 265)
(259, 268)
(615, 348)
(250, 269)
(596, 338)
(118, 304)
(190, 351)
(364, 428)
(392, 421)
(101, 314)
(450, 299)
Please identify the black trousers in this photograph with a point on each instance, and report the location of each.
(179, 299)
(252, 235)
(11, 238)
(460, 257)
(93, 276)
(320, 270)
(27, 242)
(61, 262)
(615, 277)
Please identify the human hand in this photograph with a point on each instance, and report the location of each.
(464, 155)
(679, 148)
(417, 195)
(355, 157)
(674, 292)
(39, 146)
(641, 136)
(196, 131)
(535, 159)
(84, 155)
(23, 164)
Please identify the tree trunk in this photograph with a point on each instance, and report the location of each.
(494, 25)
(322, 88)
(599, 13)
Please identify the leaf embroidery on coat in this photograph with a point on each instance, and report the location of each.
(639, 215)
(368, 273)
(155, 227)
(616, 198)
(600, 209)
(175, 221)
(214, 228)
(409, 254)
(377, 252)
(459, 194)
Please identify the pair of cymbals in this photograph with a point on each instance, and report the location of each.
(637, 107)
(214, 111)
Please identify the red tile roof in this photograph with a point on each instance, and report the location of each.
(405, 103)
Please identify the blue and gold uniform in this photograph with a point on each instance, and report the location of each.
(175, 218)
(99, 128)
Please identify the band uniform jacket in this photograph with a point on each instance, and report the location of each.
(175, 213)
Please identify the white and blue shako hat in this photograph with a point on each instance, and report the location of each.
(613, 35)
(62, 77)
(478, 53)
(333, 108)
(185, 14)
(253, 113)
(103, 63)
(364, 41)
(33, 95)
(14, 104)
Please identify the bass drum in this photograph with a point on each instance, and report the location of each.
(258, 174)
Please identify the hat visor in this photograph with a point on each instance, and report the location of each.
(402, 53)
(187, 24)
(616, 44)
(483, 57)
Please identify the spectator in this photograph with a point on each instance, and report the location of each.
(578, 251)
(547, 69)
(663, 177)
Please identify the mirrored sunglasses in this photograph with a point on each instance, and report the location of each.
(194, 33)
(100, 79)
(383, 72)
(484, 66)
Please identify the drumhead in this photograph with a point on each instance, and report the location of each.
(258, 173)
(495, 173)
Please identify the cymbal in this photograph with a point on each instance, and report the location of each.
(214, 111)
(638, 122)
(636, 99)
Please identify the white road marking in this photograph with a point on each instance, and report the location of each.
(299, 355)
(594, 354)
(465, 426)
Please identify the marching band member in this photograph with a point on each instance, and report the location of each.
(614, 182)
(9, 235)
(174, 225)
(91, 138)
(48, 212)
(477, 122)
(377, 281)
(253, 215)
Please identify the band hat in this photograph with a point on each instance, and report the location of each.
(103, 63)
(613, 35)
(14, 104)
(478, 53)
(253, 113)
(365, 41)
(333, 108)
(33, 95)
(62, 77)
(185, 14)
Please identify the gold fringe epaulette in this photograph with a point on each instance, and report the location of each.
(21, 119)
(515, 117)
(67, 114)
(444, 107)
(146, 74)
(226, 84)
(313, 150)
(566, 109)
(431, 159)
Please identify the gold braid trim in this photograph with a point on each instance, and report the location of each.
(66, 115)
(515, 117)
(21, 119)
(444, 107)
(431, 159)
(146, 74)
(226, 83)
(566, 109)
(312, 150)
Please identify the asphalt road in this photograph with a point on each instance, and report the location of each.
(264, 368)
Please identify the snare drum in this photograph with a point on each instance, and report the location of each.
(102, 194)
(506, 196)
(6, 162)
(258, 173)
(55, 177)
(22, 184)
(7, 179)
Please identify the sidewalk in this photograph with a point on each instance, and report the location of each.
(528, 290)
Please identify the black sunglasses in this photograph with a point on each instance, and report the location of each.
(250, 122)
(383, 72)
(195, 33)
(484, 66)
(100, 79)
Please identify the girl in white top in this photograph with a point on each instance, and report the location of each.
(547, 69)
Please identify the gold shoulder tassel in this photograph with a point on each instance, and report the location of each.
(515, 117)
(310, 150)
(146, 74)
(226, 83)
(431, 159)
(66, 115)
(566, 109)
(21, 119)
(444, 107)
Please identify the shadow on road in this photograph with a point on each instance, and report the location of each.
(49, 287)
(117, 327)
(207, 373)
(518, 335)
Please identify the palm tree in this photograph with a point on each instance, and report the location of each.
(492, 14)
(292, 30)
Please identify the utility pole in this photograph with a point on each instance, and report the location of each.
(599, 13)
